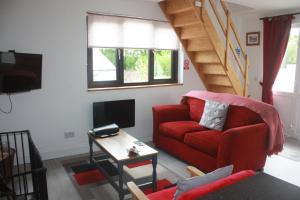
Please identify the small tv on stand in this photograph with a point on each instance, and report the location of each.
(121, 112)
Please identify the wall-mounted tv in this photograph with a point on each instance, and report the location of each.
(20, 72)
(120, 112)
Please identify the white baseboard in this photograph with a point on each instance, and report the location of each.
(79, 149)
(292, 135)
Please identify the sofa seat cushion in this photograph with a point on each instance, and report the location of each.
(178, 129)
(204, 141)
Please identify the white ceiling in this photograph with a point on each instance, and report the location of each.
(268, 5)
(262, 6)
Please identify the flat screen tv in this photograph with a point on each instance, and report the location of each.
(120, 112)
(20, 72)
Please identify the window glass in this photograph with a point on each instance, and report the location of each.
(135, 65)
(285, 79)
(104, 64)
(162, 64)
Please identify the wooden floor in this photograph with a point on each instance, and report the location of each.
(60, 187)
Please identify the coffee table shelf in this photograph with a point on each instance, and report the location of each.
(115, 149)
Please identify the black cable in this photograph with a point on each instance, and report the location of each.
(11, 105)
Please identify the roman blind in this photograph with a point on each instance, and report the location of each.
(125, 32)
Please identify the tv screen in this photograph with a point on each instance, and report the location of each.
(20, 72)
(120, 112)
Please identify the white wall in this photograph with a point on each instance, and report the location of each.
(251, 23)
(57, 29)
(286, 104)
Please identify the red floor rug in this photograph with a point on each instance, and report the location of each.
(91, 183)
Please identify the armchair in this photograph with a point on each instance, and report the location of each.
(195, 193)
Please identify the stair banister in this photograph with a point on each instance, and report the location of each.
(226, 30)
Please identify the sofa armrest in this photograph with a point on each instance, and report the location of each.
(245, 147)
(167, 113)
(137, 193)
(194, 171)
(200, 191)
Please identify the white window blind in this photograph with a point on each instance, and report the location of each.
(122, 32)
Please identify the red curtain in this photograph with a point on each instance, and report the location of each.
(276, 36)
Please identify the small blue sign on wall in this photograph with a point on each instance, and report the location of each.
(238, 51)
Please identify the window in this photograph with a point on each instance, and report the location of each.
(128, 51)
(285, 79)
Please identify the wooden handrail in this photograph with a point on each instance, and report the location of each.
(246, 76)
(227, 43)
(214, 7)
(241, 67)
(202, 7)
(233, 28)
(229, 46)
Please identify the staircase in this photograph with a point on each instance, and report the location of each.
(219, 65)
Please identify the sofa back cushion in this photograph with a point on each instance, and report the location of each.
(196, 108)
(240, 116)
(197, 181)
(236, 116)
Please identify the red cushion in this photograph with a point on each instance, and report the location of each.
(196, 108)
(205, 189)
(178, 129)
(240, 116)
(205, 141)
(167, 194)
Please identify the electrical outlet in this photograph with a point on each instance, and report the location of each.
(69, 134)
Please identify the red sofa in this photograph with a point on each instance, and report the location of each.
(200, 191)
(243, 141)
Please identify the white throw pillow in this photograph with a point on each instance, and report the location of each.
(188, 184)
(214, 115)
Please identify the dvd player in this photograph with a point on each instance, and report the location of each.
(105, 131)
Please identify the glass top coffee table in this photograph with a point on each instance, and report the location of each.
(116, 149)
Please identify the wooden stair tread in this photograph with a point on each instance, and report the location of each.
(185, 19)
(217, 80)
(206, 57)
(199, 44)
(193, 31)
(216, 69)
(221, 89)
(178, 6)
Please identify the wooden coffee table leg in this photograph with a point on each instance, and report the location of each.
(121, 191)
(154, 164)
(91, 149)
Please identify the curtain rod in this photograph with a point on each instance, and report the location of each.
(131, 17)
(297, 13)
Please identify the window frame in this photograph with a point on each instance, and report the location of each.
(119, 82)
(278, 91)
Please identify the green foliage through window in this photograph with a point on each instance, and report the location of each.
(292, 49)
(110, 54)
(162, 64)
(135, 65)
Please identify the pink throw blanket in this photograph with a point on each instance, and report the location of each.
(266, 111)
